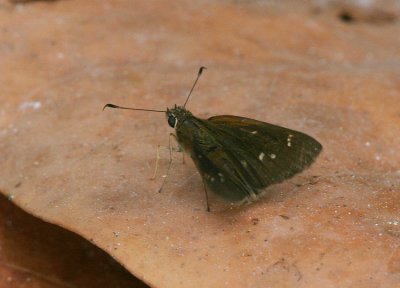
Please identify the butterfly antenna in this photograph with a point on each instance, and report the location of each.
(195, 82)
(136, 109)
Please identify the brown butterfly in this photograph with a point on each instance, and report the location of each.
(238, 157)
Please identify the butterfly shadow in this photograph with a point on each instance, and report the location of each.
(270, 198)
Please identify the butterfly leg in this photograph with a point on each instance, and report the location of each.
(158, 156)
(170, 161)
(157, 160)
(179, 149)
(205, 192)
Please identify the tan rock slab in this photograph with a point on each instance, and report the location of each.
(65, 161)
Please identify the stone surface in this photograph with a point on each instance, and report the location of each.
(304, 67)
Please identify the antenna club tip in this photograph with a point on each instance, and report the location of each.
(109, 105)
(201, 69)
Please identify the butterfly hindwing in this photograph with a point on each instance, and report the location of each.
(215, 163)
(238, 156)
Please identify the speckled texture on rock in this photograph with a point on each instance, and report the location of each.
(67, 162)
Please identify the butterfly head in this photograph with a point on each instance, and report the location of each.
(177, 115)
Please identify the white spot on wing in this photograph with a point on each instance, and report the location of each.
(244, 163)
(273, 156)
(261, 156)
(254, 132)
(289, 140)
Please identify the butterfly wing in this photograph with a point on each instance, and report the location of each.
(219, 168)
(238, 156)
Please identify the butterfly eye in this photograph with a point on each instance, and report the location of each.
(172, 121)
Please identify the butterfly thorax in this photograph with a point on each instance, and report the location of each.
(187, 127)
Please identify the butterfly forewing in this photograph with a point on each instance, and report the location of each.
(238, 156)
